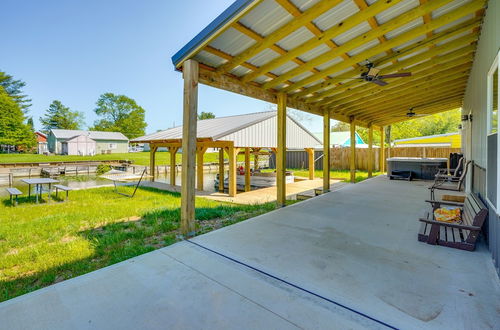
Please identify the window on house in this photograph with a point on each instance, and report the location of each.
(113, 146)
(494, 103)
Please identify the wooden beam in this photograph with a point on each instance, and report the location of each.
(173, 152)
(374, 33)
(221, 170)
(268, 41)
(382, 150)
(352, 160)
(326, 151)
(152, 154)
(200, 152)
(232, 153)
(190, 75)
(370, 151)
(281, 155)
(247, 169)
(329, 84)
(310, 161)
(394, 42)
(317, 41)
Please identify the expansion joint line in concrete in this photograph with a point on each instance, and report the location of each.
(294, 285)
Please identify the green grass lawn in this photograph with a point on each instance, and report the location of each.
(334, 174)
(47, 243)
(138, 158)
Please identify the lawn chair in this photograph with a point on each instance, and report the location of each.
(442, 183)
(454, 173)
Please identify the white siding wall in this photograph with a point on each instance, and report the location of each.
(264, 135)
(475, 96)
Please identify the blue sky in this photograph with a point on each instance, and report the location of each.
(75, 50)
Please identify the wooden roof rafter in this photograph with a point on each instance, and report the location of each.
(310, 84)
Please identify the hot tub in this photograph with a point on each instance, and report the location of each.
(420, 168)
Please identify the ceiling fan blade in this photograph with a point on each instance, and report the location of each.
(373, 72)
(379, 82)
(395, 75)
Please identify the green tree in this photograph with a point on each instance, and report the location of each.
(31, 124)
(120, 114)
(14, 89)
(13, 130)
(60, 116)
(206, 115)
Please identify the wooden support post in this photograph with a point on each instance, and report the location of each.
(370, 151)
(310, 156)
(382, 150)
(221, 170)
(152, 159)
(200, 151)
(247, 169)
(190, 110)
(232, 153)
(326, 151)
(256, 160)
(389, 139)
(281, 155)
(352, 160)
(173, 155)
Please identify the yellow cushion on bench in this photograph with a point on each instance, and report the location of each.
(448, 214)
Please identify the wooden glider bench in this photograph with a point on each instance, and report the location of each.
(456, 235)
(63, 188)
(13, 192)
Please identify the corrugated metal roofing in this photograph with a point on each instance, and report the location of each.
(402, 22)
(94, 135)
(249, 130)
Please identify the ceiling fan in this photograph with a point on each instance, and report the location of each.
(371, 75)
(411, 114)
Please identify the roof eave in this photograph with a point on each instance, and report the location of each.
(233, 12)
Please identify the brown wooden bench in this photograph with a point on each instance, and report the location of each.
(456, 235)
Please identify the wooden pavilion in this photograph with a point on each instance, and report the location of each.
(331, 58)
(248, 133)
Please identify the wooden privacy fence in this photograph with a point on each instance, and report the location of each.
(340, 156)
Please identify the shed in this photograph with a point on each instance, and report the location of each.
(343, 139)
(81, 145)
(247, 133)
(105, 142)
(452, 140)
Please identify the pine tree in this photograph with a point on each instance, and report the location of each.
(14, 89)
(60, 116)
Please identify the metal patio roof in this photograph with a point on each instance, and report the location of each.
(248, 130)
(309, 49)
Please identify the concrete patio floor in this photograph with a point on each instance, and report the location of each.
(356, 247)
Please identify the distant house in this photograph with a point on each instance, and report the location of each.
(343, 139)
(452, 140)
(41, 140)
(85, 143)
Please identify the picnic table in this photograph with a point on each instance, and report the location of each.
(39, 182)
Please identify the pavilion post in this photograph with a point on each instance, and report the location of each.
(382, 150)
(256, 159)
(221, 170)
(326, 151)
(370, 150)
(190, 110)
(310, 156)
(152, 160)
(352, 159)
(232, 153)
(173, 155)
(247, 169)
(200, 151)
(388, 134)
(281, 151)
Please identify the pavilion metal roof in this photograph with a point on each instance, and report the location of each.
(248, 130)
(310, 50)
